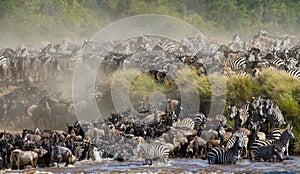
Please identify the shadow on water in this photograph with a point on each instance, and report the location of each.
(178, 165)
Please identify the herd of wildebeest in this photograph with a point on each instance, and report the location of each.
(149, 132)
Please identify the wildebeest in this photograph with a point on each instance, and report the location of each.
(159, 76)
(50, 110)
(19, 159)
(61, 154)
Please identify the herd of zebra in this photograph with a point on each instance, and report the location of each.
(257, 131)
(273, 51)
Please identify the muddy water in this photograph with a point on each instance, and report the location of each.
(180, 165)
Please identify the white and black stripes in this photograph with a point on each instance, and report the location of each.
(243, 139)
(153, 150)
(280, 144)
(275, 134)
(185, 123)
(267, 153)
(167, 46)
(235, 64)
(294, 73)
(200, 121)
(277, 63)
(274, 116)
(220, 155)
(3, 60)
(239, 116)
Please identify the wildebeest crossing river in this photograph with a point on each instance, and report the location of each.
(177, 165)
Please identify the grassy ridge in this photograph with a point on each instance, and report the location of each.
(276, 85)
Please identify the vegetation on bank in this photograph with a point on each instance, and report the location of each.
(38, 21)
(276, 85)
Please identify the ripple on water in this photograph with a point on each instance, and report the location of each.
(177, 165)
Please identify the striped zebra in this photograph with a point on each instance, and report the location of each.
(279, 144)
(153, 151)
(199, 119)
(222, 119)
(267, 153)
(235, 64)
(239, 116)
(275, 134)
(166, 45)
(279, 36)
(218, 155)
(242, 137)
(4, 71)
(294, 73)
(229, 72)
(278, 63)
(185, 123)
(274, 116)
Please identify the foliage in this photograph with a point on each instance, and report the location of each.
(48, 21)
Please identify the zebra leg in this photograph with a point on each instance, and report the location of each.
(146, 162)
(287, 149)
(278, 156)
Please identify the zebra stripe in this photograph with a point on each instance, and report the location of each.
(275, 134)
(278, 63)
(200, 120)
(239, 116)
(3, 60)
(279, 144)
(235, 64)
(293, 72)
(218, 155)
(267, 153)
(168, 46)
(232, 139)
(275, 116)
(280, 36)
(185, 123)
(153, 150)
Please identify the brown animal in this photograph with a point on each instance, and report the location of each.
(33, 137)
(19, 159)
(172, 105)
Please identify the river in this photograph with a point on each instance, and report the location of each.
(177, 165)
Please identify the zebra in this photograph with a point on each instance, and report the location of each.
(243, 138)
(235, 64)
(267, 153)
(229, 72)
(274, 116)
(185, 123)
(219, 155)
(4, 71)
(200, 121)
(152, 151)
(222, 119)
(294, 73)
(277, 63)
(166, 45)
(239, 116)
(276, 134)
(279, 144)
